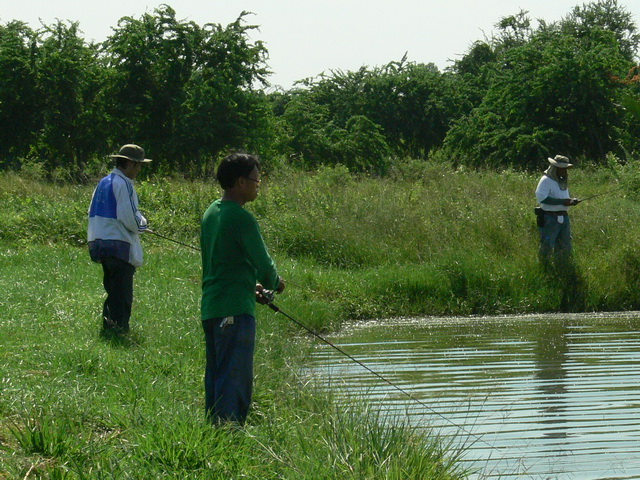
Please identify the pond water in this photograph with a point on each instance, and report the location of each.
(545, 396)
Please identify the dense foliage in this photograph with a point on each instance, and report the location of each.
(556, 89)
(512, 100)
(189, 93)
(181, 90)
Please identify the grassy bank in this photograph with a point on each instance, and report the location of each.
(424, 241)
(74, 404)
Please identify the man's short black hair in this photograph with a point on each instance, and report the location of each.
(235, 166)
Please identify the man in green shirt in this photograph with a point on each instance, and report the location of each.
(236, 266)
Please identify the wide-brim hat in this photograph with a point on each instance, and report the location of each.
(560, 161)
(132, 152)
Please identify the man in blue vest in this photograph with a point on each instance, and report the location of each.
(113, 234)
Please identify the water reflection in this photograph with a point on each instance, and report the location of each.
(550, 396)
(551, 349)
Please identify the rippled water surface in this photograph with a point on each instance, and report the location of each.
(529, 397)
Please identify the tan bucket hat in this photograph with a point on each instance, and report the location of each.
(560, 161)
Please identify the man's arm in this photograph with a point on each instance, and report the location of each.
(127, 211)
(543, 195)
(254, 245)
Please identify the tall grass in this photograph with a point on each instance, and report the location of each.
(435, 241)
(426, 240)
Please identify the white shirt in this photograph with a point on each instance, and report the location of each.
(547, 187)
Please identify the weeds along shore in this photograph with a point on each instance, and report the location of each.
(424, 241)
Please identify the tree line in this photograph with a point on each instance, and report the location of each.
(190, 93)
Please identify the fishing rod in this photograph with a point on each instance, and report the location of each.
(602, 193)
(186, 245)
(269, 296)
(173, 240)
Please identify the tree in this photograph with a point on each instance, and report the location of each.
(67, 84)
(222, 109)
(150, 59)
(607, 16)
(19, 101)
(185, 91)
(404, 107)
(553, 93)
(308, 131)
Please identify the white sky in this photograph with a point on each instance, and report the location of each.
(306, 38)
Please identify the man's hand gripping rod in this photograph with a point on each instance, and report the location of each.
(266, 297)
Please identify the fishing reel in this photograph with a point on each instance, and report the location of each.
(265, 297)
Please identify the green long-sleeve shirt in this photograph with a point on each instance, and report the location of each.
(234, 259)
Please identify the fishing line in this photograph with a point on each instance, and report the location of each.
(190, 246)
(602, 193)
(173, 240)
(269, 296)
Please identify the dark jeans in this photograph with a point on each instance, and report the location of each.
(228, 378)
(118, 283)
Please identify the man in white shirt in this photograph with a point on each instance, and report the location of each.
(113, 234)
(553, 196)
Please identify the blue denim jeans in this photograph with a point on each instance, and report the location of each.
(228, 378)
(555, 238)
